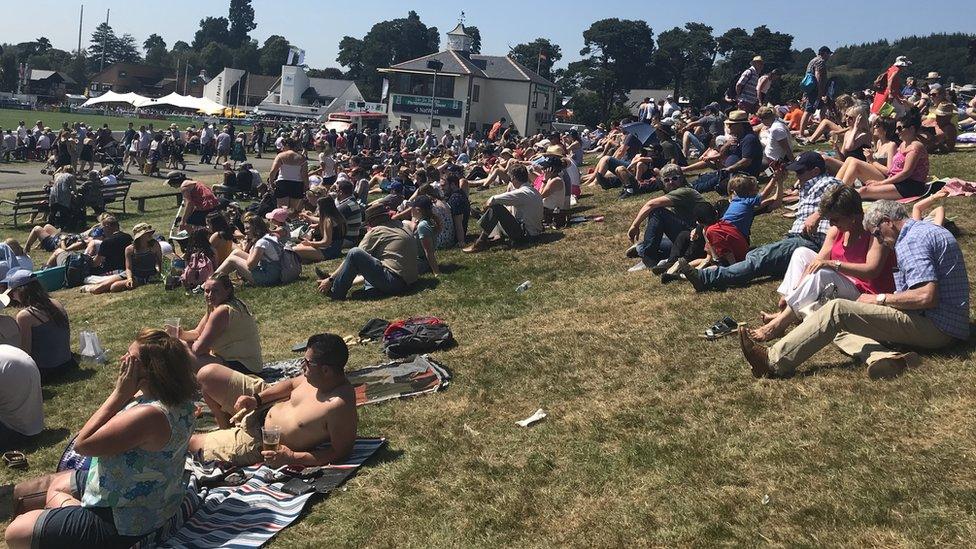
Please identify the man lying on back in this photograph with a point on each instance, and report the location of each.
(309, 410)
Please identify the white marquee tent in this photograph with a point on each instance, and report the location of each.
(174, 99)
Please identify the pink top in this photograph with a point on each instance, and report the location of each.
(202, 198)
(856, 251)
(921, 173)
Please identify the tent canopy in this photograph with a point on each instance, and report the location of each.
(174, 99)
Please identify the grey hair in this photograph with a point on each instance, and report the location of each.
(883, 209)
(671, 170)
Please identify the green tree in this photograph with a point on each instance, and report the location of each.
(247, 57)
(539, 53)
(686, 55)
(102, 44)
(328, 72)
(241, 17)
(387, 43)
(8, 71)
(43, 45)
(274, 54)
(125, 50)
(621, 51)
(213, 30)
(155, 48)
(475, 34)
(213, 58)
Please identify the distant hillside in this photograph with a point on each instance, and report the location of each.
(951, 55)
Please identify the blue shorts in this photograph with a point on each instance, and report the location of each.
(813, 102)
(614, 163)
(77, 526)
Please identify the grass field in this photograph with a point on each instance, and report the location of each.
(9, 118)
(654, 436)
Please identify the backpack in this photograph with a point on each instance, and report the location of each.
(291, 264)
(198, 269)
(416, 335)
(79, 267)
(880, 83)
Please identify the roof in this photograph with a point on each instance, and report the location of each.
(40, 74)
(327, 87)
(492, 67)
(459, 31)
(260, 84)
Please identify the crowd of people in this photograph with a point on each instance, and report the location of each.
(383, 203)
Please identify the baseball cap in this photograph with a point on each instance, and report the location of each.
(278, 215)
(176, 176)
(806, 161)
(15, 279)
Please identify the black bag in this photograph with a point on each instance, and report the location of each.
(79, 266)
(415, 336)
(374, 329)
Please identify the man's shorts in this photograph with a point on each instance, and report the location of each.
(614, 163)
(289, 189)
(813, 102)
(241, 443)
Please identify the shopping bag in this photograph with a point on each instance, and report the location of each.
(91, 346)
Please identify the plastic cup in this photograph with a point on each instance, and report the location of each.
(270, 438)
(172, 326)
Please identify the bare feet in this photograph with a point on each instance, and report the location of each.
(756, 355)
(325, 286)
(765, 317)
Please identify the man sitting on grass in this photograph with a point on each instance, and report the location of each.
(310, 410)
(929, 309)
(386, 258)
(518, 213)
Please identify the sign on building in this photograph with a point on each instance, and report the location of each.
(365, 106)
(415, 104)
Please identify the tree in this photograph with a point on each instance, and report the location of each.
(155, 48)
(620, 51)
(102, 42)
(213, 58)
(387, 43)
(328, 72)
(686, 55)
(539, 53)
(274, 54)
(8, 71)
(213, 30)
(125, 50)
(247, 57)
(475, 34)
(241, 17)
(43, 45)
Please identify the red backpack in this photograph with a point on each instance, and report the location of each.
(198, 269)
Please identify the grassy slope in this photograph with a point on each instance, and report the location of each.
(654, 437)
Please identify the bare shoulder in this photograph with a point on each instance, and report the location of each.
(341, 399)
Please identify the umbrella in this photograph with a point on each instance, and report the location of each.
(641, 130)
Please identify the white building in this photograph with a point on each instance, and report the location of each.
(295, 95)
(236, 87)
(472, 91)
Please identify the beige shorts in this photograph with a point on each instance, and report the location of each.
(241, 443)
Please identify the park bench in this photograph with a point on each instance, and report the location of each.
(116, 192)
(26, 203)
(141, 200)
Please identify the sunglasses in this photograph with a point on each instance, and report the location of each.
(670, 179)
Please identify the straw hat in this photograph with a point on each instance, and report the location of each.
(505, 151)
(737, 117)
(142, 229)
(555, 150)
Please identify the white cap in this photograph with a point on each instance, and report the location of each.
(902, 61)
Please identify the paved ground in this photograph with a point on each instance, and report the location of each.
(21, 175)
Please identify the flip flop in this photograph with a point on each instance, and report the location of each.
(15, 460)
(721, 328)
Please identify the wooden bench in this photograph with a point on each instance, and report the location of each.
(141, 200)
(26, 203)
(116, 192)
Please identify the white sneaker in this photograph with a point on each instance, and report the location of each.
(640, 266)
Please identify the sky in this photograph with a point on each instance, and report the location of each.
(318, 26)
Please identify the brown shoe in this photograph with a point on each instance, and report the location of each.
(756, 355)
(478, 245)
(892, 367)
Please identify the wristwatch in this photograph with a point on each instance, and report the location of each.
(881, 298)
(837, 265)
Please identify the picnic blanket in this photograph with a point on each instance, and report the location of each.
(251, 514)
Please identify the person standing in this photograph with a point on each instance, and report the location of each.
(765, 83)
(747, 85)
(496, 129)
(817, 93)
(891, 92)
(289, 175)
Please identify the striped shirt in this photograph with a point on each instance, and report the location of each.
(353, 212)
(747, 84)
(929, 253)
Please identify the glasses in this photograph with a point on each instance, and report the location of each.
(671, 179)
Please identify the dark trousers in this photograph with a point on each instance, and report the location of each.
(662, 222)
(712, 181)
(684, 246)
(499, 215)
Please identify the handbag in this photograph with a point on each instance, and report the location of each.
(809, 83)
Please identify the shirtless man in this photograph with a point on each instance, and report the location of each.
(310, 410)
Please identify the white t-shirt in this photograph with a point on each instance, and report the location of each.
(776, 149)
(328, 164)
(271, 252)
(21, 405)
(109, 180)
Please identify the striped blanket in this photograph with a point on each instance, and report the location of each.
(251, 514)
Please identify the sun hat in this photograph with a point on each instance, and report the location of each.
(176, 176)
(142, 229)
(902, 61)
(737, 117)
(15, 279)
(278, 215)
(505, 151)
(555, 150)
(757, 58)
(806, 161)
(933, 76)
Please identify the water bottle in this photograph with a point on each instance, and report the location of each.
(521, 288)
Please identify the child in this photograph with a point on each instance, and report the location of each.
(727, 241)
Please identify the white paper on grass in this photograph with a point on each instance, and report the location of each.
(537, 416)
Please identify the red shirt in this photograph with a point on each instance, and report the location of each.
(495, 128)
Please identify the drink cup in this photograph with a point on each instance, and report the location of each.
(271, 438)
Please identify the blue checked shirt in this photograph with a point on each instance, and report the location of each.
(810, 194)
(929, 253)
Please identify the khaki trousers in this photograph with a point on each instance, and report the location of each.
(856, 328)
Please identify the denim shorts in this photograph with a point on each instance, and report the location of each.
(614, 163)
(267, 273)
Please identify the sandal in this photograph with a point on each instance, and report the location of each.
(721, 328)
(15, 460)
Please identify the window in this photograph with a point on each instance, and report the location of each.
(436, 123)
(419, 84)
(476, 94)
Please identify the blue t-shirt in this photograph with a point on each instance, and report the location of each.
(747, 147)
(741, 211)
